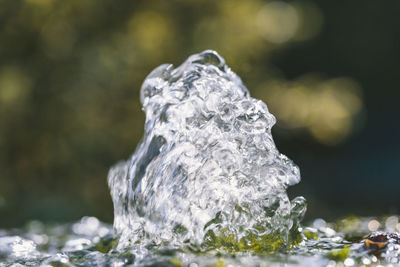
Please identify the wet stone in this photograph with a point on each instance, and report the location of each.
(380, 240)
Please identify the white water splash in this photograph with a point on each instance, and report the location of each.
(207, 165)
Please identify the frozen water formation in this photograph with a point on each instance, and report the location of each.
(207, 173)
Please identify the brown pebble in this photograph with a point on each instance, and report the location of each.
(377, 241)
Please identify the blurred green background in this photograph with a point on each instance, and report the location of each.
(71, 71)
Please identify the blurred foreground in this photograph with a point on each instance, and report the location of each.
(88, 242)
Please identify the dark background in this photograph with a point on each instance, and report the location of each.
(70, 75)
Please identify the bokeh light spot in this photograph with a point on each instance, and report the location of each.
(373, 225)
(150, 31)
(277, 21)
(327, 108)
(14, 85)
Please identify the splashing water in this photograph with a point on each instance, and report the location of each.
(207, 172)
(206, 178)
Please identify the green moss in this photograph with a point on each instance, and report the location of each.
(348, 225)
(176, 262)
(219, 263)
(58, 264)
(252, 242)
(105, 244)
(339, 255)
(179, 229)
(310, 233)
